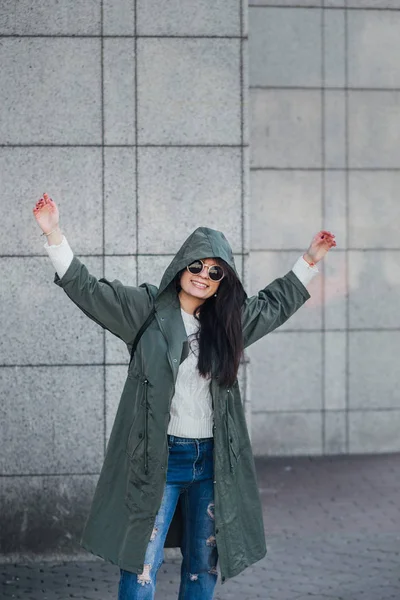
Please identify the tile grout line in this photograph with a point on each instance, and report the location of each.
(11, 475)
(347, 352)
(103, 215)
(317, 88)
(117, 36)
(136, 139)
(323, 215)
(59, 365)
(355, 249)
(241, 79)
(170, 254)
(329, 169)
(333, 8)
(242, 179)
(333, 410)
(206, 147)
(165, 146)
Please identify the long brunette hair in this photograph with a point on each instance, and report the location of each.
(220, 335)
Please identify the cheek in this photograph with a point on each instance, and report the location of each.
(185, 279)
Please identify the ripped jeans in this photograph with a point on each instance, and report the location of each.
(190, 482)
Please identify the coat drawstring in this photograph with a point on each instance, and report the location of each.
(146, 415)
(228, 433)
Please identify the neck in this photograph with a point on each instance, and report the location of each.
(189, 303)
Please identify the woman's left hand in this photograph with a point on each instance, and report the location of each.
(320, 245)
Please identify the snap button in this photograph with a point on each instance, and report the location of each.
(217, 530)
(228, 391)
(175, 360)
(140, 435)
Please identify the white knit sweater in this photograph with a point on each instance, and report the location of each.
(191, 407)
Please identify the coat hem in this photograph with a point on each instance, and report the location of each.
(137, 571)
(242, 567)
(117, 563)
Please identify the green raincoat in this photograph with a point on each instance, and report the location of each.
(131, 483)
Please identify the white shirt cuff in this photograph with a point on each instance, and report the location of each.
(61, 256)
(304, 271)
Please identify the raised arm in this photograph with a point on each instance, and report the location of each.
(118, 308)
(277, 302)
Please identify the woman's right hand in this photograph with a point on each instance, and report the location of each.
(46, 214)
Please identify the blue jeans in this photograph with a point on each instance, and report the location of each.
(190, 482)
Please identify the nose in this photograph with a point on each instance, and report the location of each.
(204, 272)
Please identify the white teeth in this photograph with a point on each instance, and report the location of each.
(201, 286)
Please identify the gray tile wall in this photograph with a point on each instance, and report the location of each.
(325, 122)
(131, 114)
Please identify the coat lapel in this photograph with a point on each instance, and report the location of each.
(170, 322)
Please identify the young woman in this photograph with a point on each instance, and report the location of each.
(179, 468)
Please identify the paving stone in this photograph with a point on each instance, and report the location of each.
(332, 534)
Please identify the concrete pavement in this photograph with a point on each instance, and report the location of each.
(333, 533)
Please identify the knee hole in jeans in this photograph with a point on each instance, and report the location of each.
(145, 578)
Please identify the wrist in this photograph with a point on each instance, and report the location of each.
(54, 236)
(309, 259)
(54, 229)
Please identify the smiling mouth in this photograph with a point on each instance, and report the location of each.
(199, 285)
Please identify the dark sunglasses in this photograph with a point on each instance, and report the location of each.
(215, 272)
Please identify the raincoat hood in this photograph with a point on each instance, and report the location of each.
(202, 243)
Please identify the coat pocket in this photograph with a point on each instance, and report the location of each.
(138, 430)
(136, 435)
(233, 442)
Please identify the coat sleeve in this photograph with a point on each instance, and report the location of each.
(118, 308)
(272, 306)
